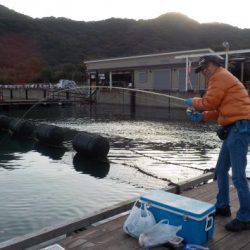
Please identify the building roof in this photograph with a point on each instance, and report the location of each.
(142, 60)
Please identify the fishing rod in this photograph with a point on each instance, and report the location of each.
(79, 96)
(129, 89)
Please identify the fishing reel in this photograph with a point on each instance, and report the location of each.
(194, 115)
(191, 111)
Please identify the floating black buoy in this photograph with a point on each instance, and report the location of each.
(22, 128)
(91, 145)
(98, 168)
(49, 134)
(5, 122)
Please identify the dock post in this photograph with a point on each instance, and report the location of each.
(169, 102)
(26, 94)
(67, 95)
(132, 97)
(11, 94)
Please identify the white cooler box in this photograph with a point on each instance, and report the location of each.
(196, 217)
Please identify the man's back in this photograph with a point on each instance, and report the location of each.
(235, 105)
(228, 96)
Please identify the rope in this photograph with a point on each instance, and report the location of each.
(146, 173)
(167, 162)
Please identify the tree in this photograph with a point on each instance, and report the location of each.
(50, 49)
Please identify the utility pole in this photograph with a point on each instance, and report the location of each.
(187, 69)
(226, 45)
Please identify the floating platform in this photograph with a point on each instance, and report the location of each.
(104, 230)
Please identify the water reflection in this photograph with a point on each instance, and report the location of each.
(9, 143)
(54, 153)
(10, 149)
(93, 167)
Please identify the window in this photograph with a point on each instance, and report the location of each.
(162, 79)
(182, 79)
(143, 76)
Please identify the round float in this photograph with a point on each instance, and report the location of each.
(50, 135)
(91, 145)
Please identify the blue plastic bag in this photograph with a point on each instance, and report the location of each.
(195, 247)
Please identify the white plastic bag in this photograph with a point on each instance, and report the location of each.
(159, 234)
(139, 221)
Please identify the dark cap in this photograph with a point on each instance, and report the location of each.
(205, 60)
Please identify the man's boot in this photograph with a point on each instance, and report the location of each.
(237, 225)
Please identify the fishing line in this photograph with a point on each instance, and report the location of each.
(28, 111)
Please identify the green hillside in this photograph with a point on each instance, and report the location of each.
(51, 48)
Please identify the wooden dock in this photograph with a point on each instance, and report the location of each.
(110, 235)
(104, 230)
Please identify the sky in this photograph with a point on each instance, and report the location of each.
(235, 13)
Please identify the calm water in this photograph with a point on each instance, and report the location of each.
(41, 186)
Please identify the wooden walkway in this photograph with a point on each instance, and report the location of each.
(109, 235)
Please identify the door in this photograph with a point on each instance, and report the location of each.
(162, 79)
(182, 79)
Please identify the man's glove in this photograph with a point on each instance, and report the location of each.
(194, 115)
(188, 101)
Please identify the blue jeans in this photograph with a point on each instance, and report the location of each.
(234, 154)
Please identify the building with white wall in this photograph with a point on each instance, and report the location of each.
(171, 72)
(160, 71)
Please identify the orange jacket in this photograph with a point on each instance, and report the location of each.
(226, 99)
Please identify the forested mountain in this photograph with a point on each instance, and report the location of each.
(50, 48)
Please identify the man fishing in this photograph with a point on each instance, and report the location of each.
(227, 101)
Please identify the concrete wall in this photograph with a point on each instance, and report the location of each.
(113, 97)
(177, 79)
(143, 99)
(32, 94)
(20, 94)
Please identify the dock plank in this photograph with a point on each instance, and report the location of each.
(233, 241)
(110, 235)
(98, 231)
(246, 247)
(107, 236)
